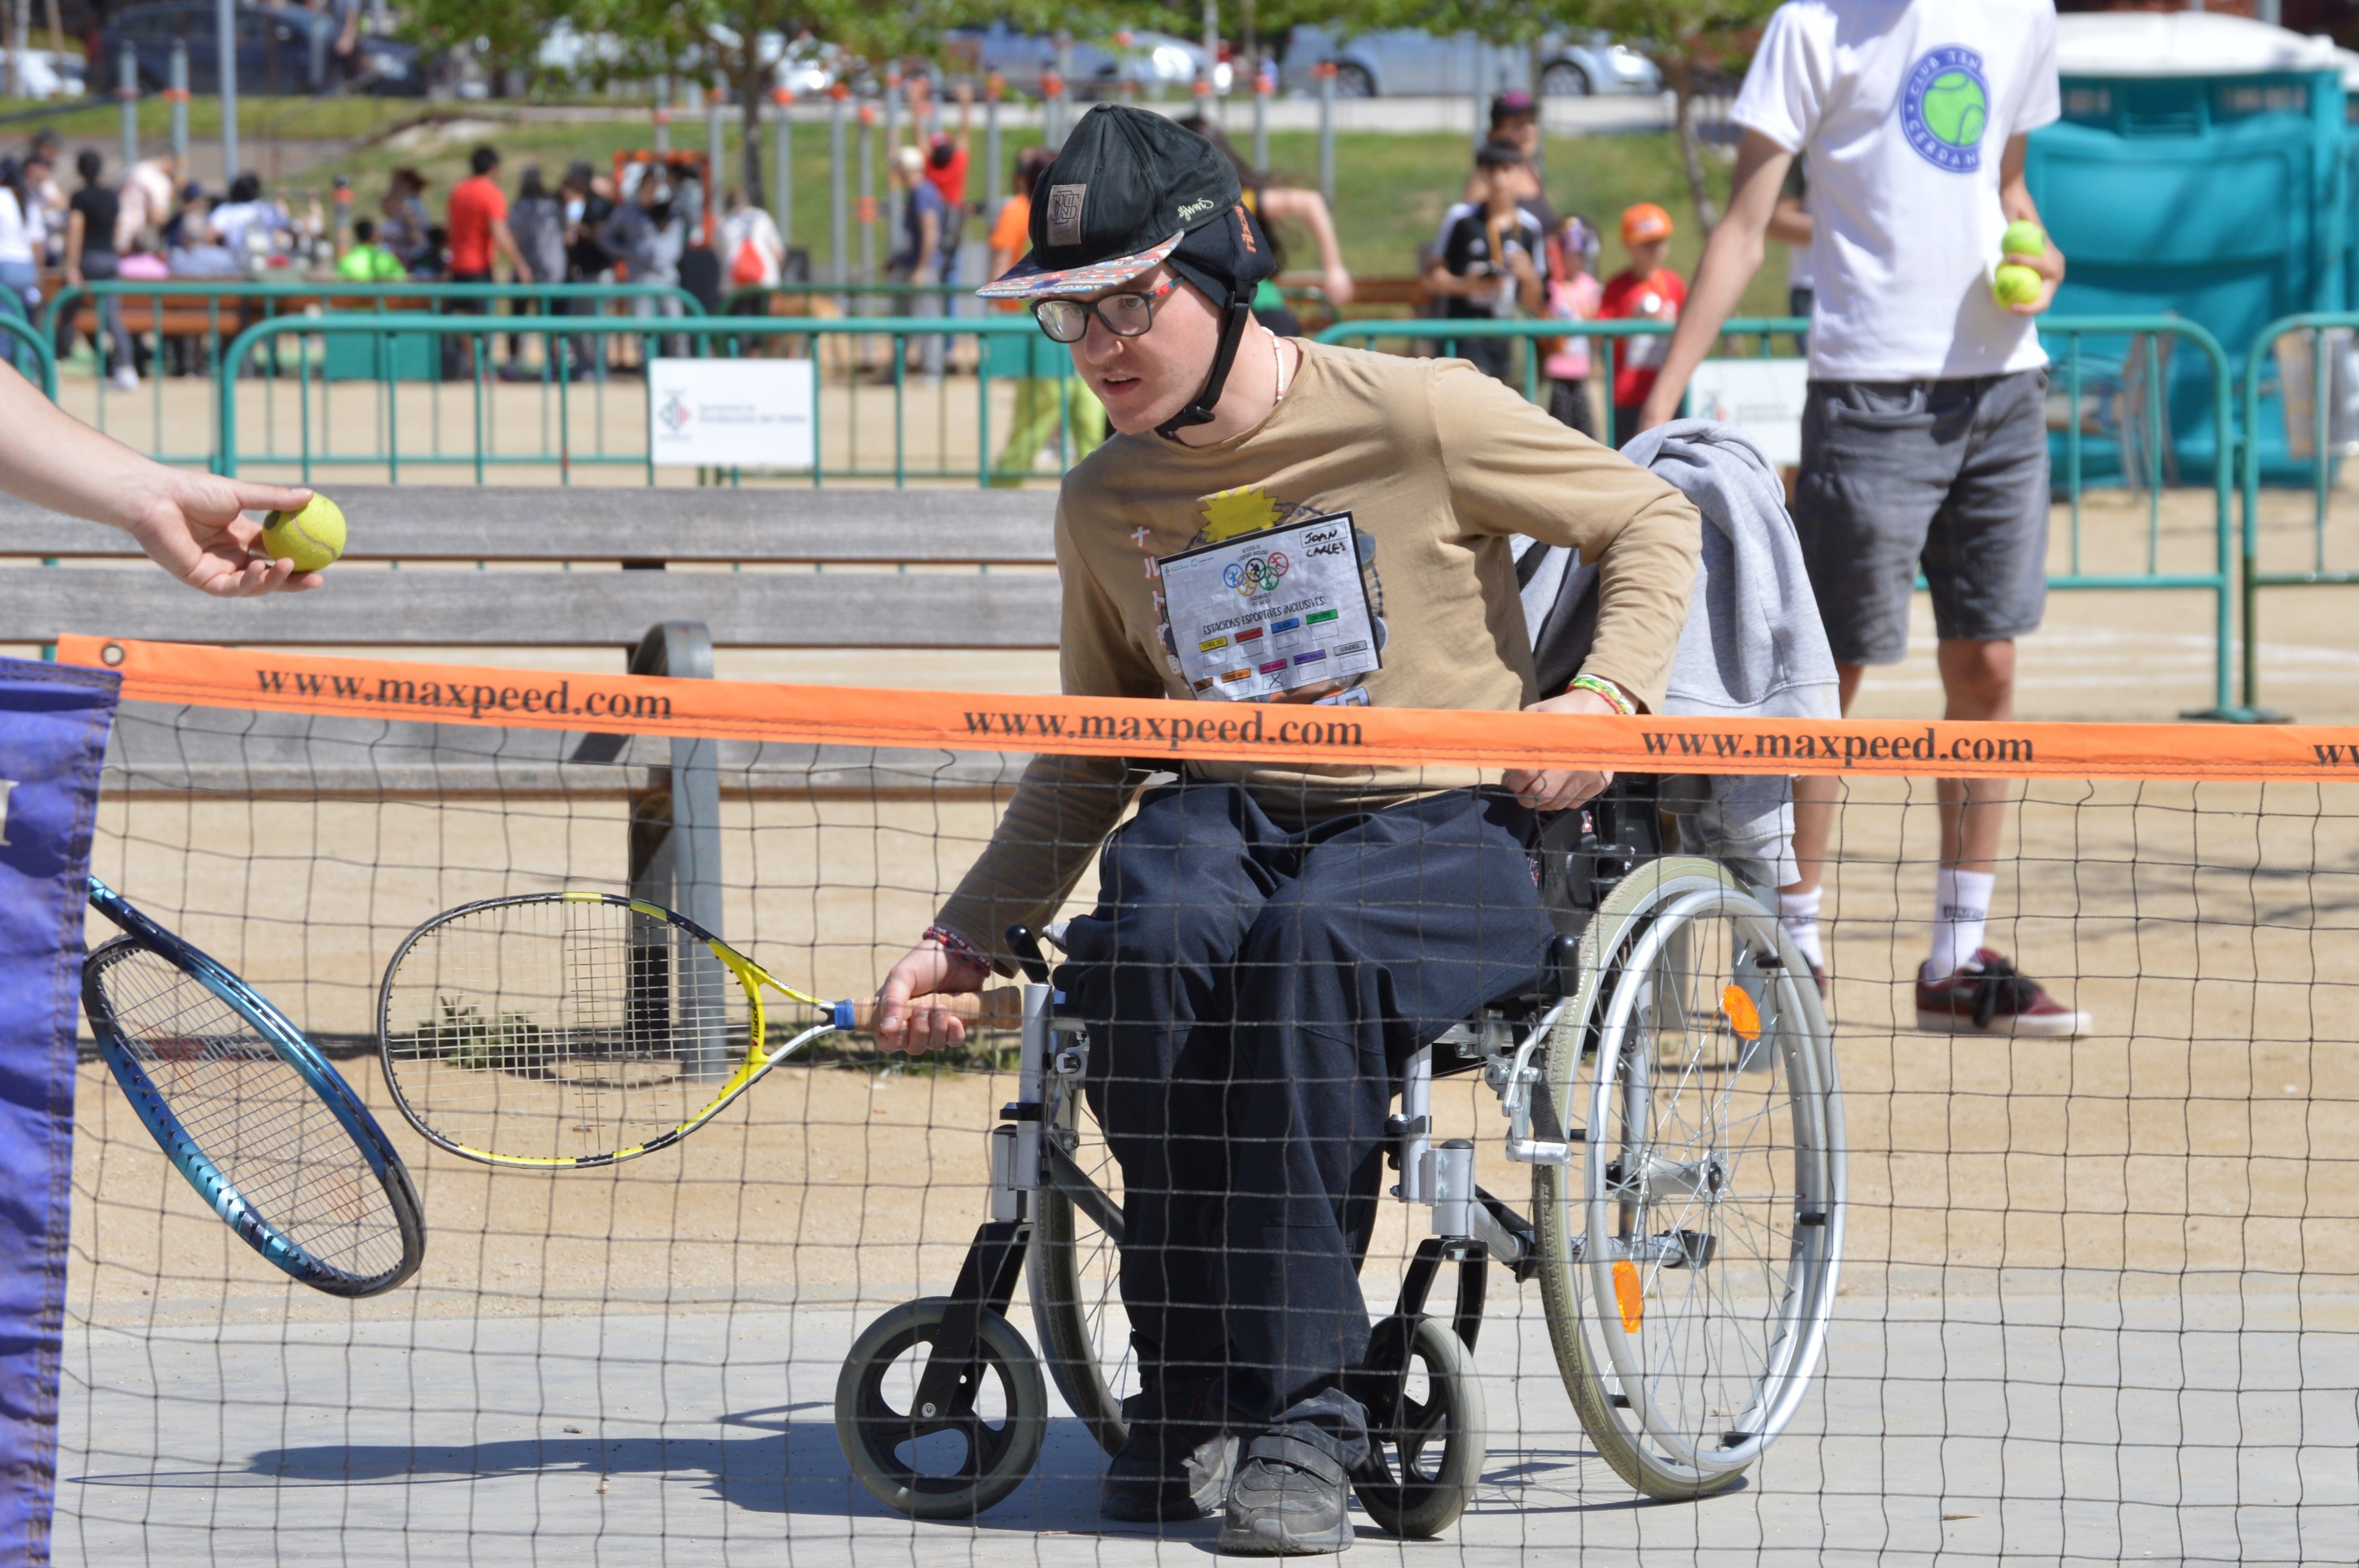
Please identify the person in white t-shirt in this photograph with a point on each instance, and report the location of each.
(1924, 438)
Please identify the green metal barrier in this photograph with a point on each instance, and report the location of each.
(2219, 581)
(2323, 461)
(1443, 334)
(27, 336)
(26, 333)
(271, 300)
(712, 335)
(1014, 340)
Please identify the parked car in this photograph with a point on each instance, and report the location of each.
(46, 73)
(282, 50)
(566, 50)
(1403, 62)
(1150, 61)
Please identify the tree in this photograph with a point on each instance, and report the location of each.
(1695, 43)
(739, 43)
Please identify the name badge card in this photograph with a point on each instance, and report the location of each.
(1272, 610)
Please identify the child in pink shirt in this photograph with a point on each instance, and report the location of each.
(1573, 293)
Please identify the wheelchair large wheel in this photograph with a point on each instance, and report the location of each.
(1690, 1253)
(948, 1466)
(1073, 1273)
(1429, 1448)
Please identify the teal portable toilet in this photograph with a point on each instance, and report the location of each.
(2198, 171)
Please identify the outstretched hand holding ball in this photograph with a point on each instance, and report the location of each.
(310, 537)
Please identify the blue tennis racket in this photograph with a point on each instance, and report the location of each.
(268, 1133)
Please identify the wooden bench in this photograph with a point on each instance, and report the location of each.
(178, 314)
(852, 591)
(857, 589)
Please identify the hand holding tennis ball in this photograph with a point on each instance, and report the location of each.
(2014, 284)
(311, 537)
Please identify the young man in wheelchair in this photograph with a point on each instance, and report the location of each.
(1272, 941)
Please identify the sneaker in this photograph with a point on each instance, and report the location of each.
(1990, 996)
(1291, 1497)
(123, 378)
(1173, 1465)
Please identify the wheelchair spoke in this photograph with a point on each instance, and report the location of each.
(1420, 1425)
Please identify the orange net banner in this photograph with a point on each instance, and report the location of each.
(248, 679)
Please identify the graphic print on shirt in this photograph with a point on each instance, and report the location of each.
(1249, 509)
(1945, 108)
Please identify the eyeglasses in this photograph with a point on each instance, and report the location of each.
(1125, 315)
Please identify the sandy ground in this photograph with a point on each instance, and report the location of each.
(2097, 1296)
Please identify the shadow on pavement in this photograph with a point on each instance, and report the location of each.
(787, 1465)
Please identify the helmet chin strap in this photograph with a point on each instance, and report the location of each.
(1234, 318)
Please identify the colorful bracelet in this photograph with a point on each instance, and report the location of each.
(1599, 687)
(957, 947)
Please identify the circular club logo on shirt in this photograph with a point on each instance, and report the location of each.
(1945, 107)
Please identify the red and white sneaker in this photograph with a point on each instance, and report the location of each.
(1990, 996)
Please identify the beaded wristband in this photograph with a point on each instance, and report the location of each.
(957, 947)
(1599, 687)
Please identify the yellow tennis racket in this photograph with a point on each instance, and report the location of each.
(566, 1030)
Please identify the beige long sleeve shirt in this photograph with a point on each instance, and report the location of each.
(1437, 462)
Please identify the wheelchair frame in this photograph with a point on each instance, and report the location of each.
(1615, 898)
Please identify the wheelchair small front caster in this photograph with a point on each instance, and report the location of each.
(1428, 1444)
(947, 1464)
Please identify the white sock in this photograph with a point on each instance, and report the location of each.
(1961, 910)
(1799, 914)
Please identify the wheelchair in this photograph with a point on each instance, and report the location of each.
(1672, 1086)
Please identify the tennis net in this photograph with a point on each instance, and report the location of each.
(2096, 1297)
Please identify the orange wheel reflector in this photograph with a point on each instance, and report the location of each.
(1743, 1016)
(1629, 1294)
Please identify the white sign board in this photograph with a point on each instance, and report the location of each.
(732, 413)
(1761, 397)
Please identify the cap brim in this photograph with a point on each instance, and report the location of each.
(1027, 280)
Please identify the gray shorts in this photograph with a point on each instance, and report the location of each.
(1948, 475)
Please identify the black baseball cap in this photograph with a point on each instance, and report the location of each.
(1128, 190)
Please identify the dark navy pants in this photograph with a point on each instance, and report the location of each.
(1252, 995)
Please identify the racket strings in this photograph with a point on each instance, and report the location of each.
(252, 1114)
(561, 1029)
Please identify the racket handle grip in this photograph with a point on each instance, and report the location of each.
(1000, 1008)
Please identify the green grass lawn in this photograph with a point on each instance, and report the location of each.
(1390, 193)
(258, 118)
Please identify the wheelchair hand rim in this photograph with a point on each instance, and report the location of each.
(1796, 1334)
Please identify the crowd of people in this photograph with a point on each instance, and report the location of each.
(144, 222)
(148, 222)
(141, 224)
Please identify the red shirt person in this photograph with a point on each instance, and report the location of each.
(946, 167)
(479, 224)
(1647, 290)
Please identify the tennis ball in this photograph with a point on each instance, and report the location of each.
(2016, 284)
(2023, 238)
(1955, 109)
(310, 537)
